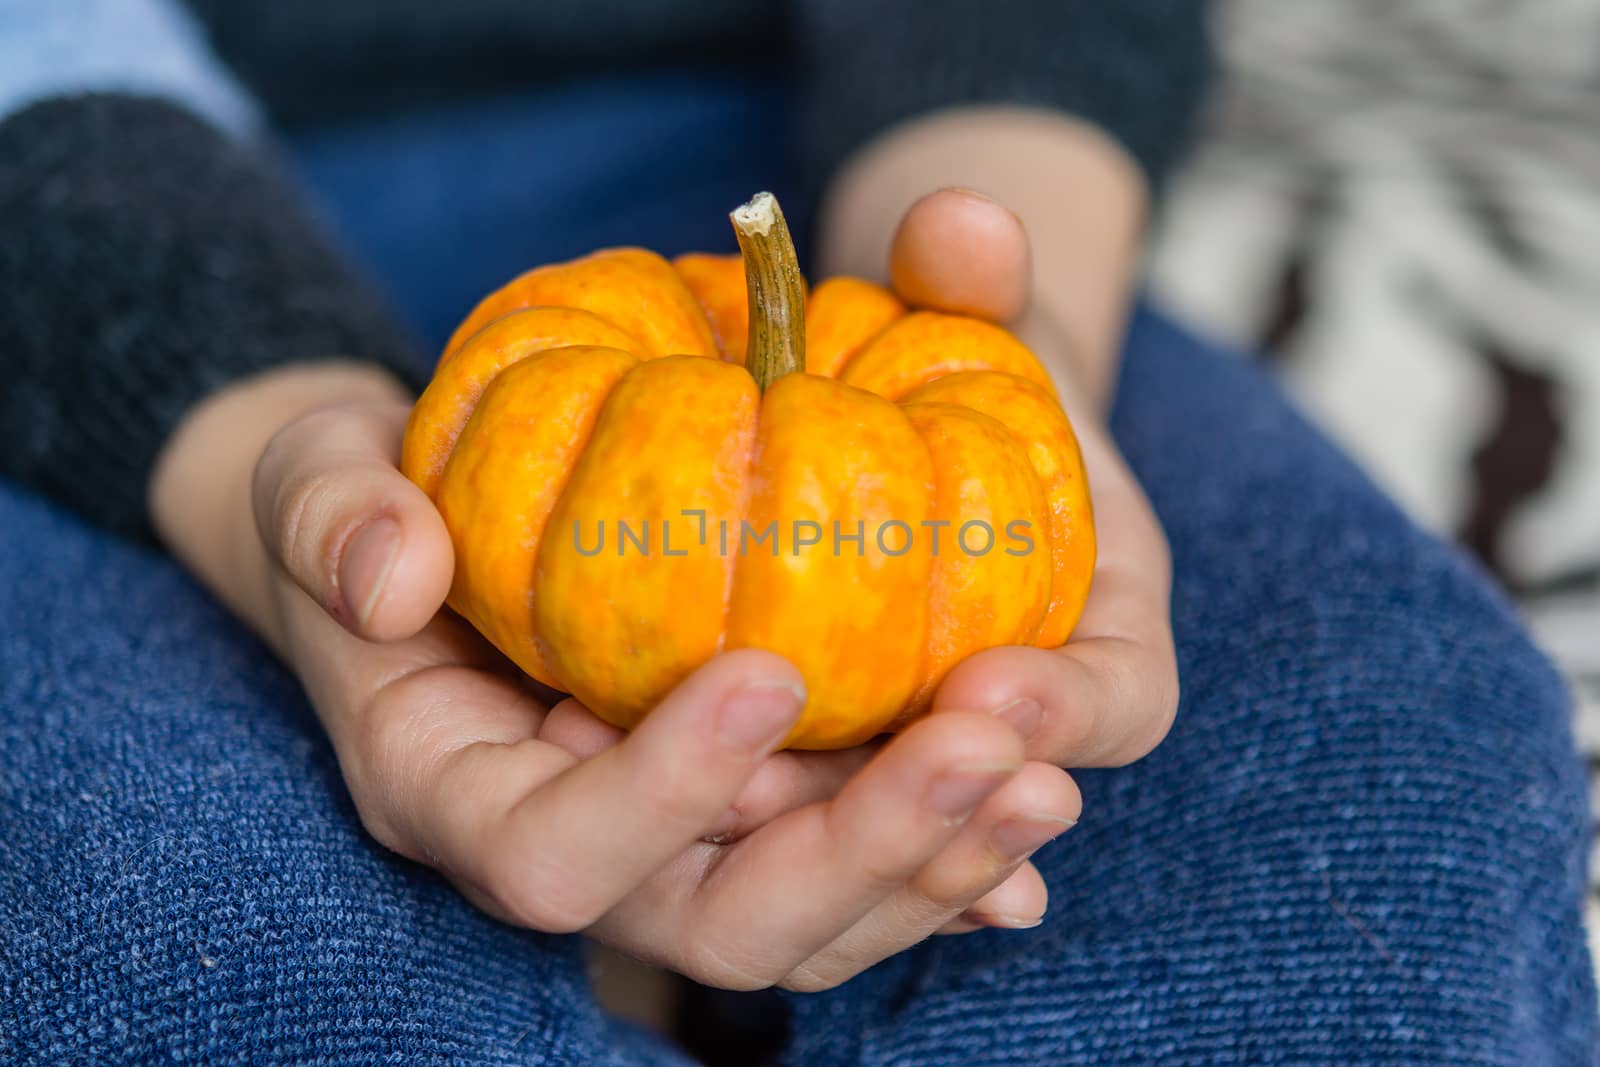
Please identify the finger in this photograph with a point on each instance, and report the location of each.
(784, 781)
(1018, 903)
(1104, 702)
(379, 699)
(960, 252)
(578, 730)
(352, 531)
(554, 843)
(1037, 805)
(779, 896)
(396, 711)
(787, 781)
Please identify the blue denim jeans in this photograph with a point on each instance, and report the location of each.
(1362, 843)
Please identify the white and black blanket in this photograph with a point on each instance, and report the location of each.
(1400, 203)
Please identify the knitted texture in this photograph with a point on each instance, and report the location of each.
(1136, 69)
(148, 260)
(1361, 843)
(310, 62)
(184, 879)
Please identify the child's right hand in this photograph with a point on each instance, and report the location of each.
(545, 816)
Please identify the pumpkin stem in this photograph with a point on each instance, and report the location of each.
(777, 292)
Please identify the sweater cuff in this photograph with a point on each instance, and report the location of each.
(149, 260)
(1135, 68)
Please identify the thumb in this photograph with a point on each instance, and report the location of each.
(959, 251)
(353, 532)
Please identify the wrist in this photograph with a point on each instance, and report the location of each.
(199, 490)
(1080, 195)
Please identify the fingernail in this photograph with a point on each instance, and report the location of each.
(971, 193)
(1024, 714)
(955, 793)
(723, 827)
(1005, 922)
(364, 568)
(1017, 838)
(758, 715)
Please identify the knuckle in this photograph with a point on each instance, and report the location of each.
(712, 964)
(379, 789)
(805, 979)
(879, 863)
(882, 870)
(1121, 677)
(299, 503)
(381, 827)
(541, 899)
(376, 788)
(1073, 732)
(951, 886)
(304, 519)
(1158, 708)
(1168, 695)
(393, 724)
(395, 751)
(684, 795)
(281, 447)
(290, 441)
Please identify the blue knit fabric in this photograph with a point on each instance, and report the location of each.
(1361, 844)
(1363, 840)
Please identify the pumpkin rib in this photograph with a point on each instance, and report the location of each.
(1037, 422)
(992, 598)
(1028, 633)
(647, 462)
(564, 684)
(450, 355)
(634, 288)
(854, 623)
(747, 493)
(527, 431)
(718, 285)
(444, 407)
(925, 346)
(923, 685)
(855, 308)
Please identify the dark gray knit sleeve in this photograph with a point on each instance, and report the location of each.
(148, 259)
(1135, 68)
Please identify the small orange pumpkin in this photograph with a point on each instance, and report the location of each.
(637, 476)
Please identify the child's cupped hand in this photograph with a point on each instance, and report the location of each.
(689, 842)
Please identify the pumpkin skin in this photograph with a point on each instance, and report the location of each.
(612, 390)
